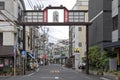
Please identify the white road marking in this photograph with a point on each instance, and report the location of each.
(30, 74)
(51, 77)
(102, 78)
(54, 71)
(88, 78)
(56, 77)
(46, 77)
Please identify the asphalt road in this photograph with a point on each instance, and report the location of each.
(54, 72)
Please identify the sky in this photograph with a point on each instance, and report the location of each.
(55, 32)
(67, 3)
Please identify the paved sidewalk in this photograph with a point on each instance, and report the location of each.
(106, 76)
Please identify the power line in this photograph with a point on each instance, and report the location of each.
(42, 5)
(31, 5)
(7, 19)
(35, 3)
(10, 14)
(39, 2)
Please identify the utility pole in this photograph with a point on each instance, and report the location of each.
(24, 48)
(70, 41)
(87, 48)
(31, 38)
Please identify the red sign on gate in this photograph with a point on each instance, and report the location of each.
(45, 14)
(65, 15)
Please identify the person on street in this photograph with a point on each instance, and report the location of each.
(35, 65)
(41, 63)
(31, 65)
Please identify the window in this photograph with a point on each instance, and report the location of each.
(84, 3)
(1, 64)
(76, 16)
(80, 28)
(2, 5)
(28, 41)
(55, 16)
(80, 44)
(1, 39)
(115, 22)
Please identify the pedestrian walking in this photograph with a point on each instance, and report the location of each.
(36, 65)
(31, 65)
(41, 63)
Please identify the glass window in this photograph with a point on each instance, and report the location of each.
(1, 61)
(115, 22)
(80, 28)
(76, 13)
(29, 13)
(1, 39)
(84, 3)
(2, 5)
(35, 13)
(80, 44)
(81, 13)
(70, 13)
(40, 13)
(81, 20)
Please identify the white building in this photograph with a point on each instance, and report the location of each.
(10, 32)
(79, 33)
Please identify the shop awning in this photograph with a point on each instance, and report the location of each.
(112, 45)
(6, 51)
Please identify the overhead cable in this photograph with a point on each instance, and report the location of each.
(30, 4)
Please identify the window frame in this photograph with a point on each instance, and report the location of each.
(2, 5)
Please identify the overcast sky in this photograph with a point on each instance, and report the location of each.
(55, 32)
(67, 3)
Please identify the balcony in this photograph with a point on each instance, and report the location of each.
(114, 8)
(115, 36)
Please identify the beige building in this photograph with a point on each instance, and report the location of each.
(79, 33)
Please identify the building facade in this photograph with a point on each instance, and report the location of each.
(101, 28)
(115, 44)
(11, 36)
(79, 34)
(104, 31)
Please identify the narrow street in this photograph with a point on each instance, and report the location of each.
(52, 72)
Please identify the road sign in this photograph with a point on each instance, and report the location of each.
(23, 53)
